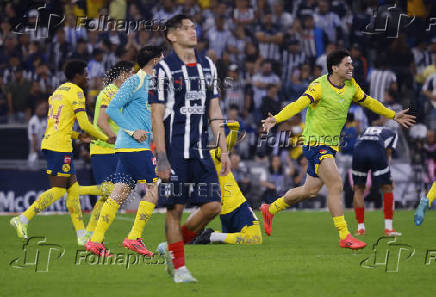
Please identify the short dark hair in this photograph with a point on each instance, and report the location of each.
(74, 67)
(117, 69)
(175, 22)
(335, 58)
(147, 53)
(234, 107)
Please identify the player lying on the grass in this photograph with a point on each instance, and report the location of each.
(239, 224)
(131, 112)
(328, 99)
(372, 152)
(424, 204)
(67, 103)
(103, 159)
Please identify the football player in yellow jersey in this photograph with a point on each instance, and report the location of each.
(103, 159)
(239, 224)
(66, 105)
(328, 99)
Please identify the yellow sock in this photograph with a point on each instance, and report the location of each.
(95, 214)
(341, 225)
(431, 195)
(74, 208)
(145, 210)
(248, 235)
(278, 206)
(90, 190)
(107, 188)
(107, 216)
(44, 200)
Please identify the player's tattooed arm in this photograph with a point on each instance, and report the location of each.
(163, 165)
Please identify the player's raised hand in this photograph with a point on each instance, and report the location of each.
(85, 138)
(269, 122)
(140, 135)
(404, 119)
(163, 166)
(225, 164)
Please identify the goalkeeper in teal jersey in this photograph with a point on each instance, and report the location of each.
(328, 99)
(130, 110)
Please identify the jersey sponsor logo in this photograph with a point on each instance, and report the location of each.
(193, 95)
(66, 167)
(67, 159)
(64, 88)
(192, 110)
(80, 94)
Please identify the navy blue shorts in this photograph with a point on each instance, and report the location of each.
(369, 155)
(139, 167)
(314, 156)
(59, 163)
(237, 219)
(192, 180)
(103, 167)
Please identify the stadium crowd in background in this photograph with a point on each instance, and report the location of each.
(266, 53)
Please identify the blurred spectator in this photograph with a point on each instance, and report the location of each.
(59, 51)
(349, 135)
(328, 21)
(18, 97)
(235, 93)
(241, 173)
(421, 56)
(36, 130)
(273, 180)
(35, 53)
(219, 36)
(429, 70)
(73, 32)
(46, 80)
(243, 14)
(270, 38)
(93, 41)
(292, 58)
(81, 51)
(237, 43)
(400, 59)
(95, 66)
(381, 79)
(165, 10)
(109, 58)
(271, 103)
(313, 39)
(305, 8)
(322, 60)
(430, 148)
(37, 30)
(280, 16)
(9, 49)
(300, 174)
(295, 86)
(261, 82)
(360, 66)
(3, 101)
(429, 92)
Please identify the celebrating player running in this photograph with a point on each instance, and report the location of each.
(328, 99)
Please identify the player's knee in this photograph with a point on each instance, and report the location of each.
(212, 209)
(387, 188)
(310, 192)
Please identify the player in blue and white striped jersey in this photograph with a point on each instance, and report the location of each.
(185, 100)
(372, 152)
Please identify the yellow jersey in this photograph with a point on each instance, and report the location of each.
(67, 100)
(231, 195)
(103, 99)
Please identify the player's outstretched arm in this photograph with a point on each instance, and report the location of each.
(163, 165)
(215, 116)
(85, 125)
(404, 119)
(287, 112)
(103, 123)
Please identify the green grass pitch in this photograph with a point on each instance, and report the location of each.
(301, 258)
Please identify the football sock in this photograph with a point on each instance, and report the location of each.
(107, 215)
(145, 210)
(177, 250)
(188, 235)
(44, 200)
(388, 209)
(341, 225)
(221, 237)
(74, 208)
(90, 190)
(278, 206)
(95, 214)
(360, 216)
(431, 195)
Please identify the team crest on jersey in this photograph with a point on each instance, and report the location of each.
(67, 159)
(208, 79)
(322, 152)
(66, 167)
